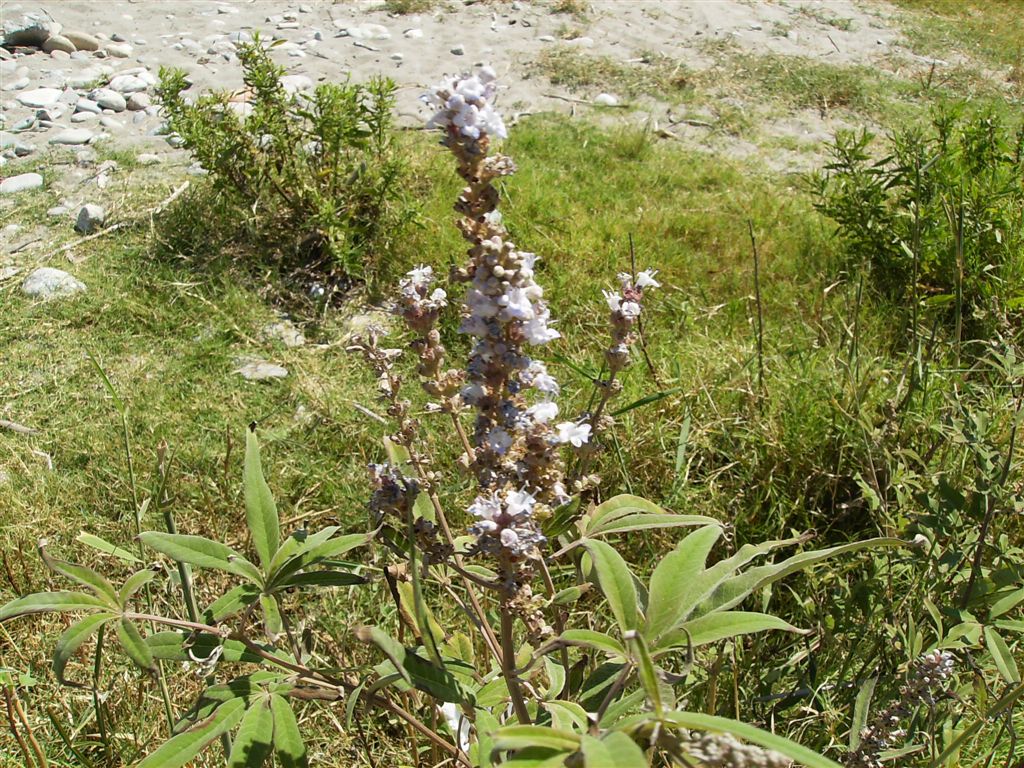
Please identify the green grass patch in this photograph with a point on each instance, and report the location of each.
(657, 76)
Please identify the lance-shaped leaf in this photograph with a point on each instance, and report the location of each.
(72, 640)
(1001, 655)
(588, 638)
(185, 646)
(299, 542)
(414, 669)
(181, 748)
(273, 623)
(615, 750)
(673, 577)
(254, 740)
(525, 736)
(616, 582)
(288, 745)
(135, 646)
(316, 550)
(324, 578)
(632, 513)
(721, 625)
(206, 553)
(133, 584)
(45, 602)
(84, 575)
(233, 601)
(735, 590)
(104, 546)
(260, 509)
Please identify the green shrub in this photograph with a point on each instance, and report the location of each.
(937, 220)
(315, 176)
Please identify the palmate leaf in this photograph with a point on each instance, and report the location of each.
(181, 748)
(254, 740)
(46, 602)
(72, 640)
(133, 584)
(260, 508)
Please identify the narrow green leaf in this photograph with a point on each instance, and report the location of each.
(721, 625)
(135, 646)
(570, 595)
(615, 750)
(1006, 604)
(735, 590)
(317, 550)
(45, 602)
(260, 509)
(567, 715)
(616, 582)
(785, 747)
(861, 709)
(288, 746)
(84, 575)
(72, 640)
(673, 578)
(133, 584)
(523, 736)
(648, 522)
(198, 550)
(595, 640)
(273, 623)
(104, 546)
(298, 543)
(254, 740)
(184, 646)
(176, 752)
(321, 579)
(1001, 655)
(235, 600)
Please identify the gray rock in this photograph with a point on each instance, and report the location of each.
(90, 218)
(82, 41)
(119, 50)
(87, 105)
(285, 332)
(108, 99)
(58, 43)
(80, 56)
(126, 84)
(47, 283)
(260, 370)
(31, 30)
(39, 97)
(84, 117)
(458, 50)
(413, 34)
(397, 57)
(148, 158)
(297, 83)
(138, 102)
(15, 85)
(57, 211)
(20, 183)
(10, 141)
(60, 55)
(606, 100)
(73, 136)
(365, 31)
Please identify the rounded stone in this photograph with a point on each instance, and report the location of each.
(138, 102)
(21, 183)
(58, 43)
(47, 283)
(73, 137)
(81, 40)
(108, 99)
(39, 97)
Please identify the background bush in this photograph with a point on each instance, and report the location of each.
(313, 176)
(938, 218)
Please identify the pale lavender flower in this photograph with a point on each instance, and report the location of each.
(576, 434)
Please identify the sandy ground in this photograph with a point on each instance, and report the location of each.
(335, 40)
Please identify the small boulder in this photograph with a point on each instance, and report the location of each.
(108, 99)
(58, 43)
(260, 370)
(47, 283)
(90, 218)
(21, 183)
(31, 30)
(138, 102)
(126, 84)
(39, 97)
(606, 100)
(73, 137)
(81, 40)
(119, 50)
